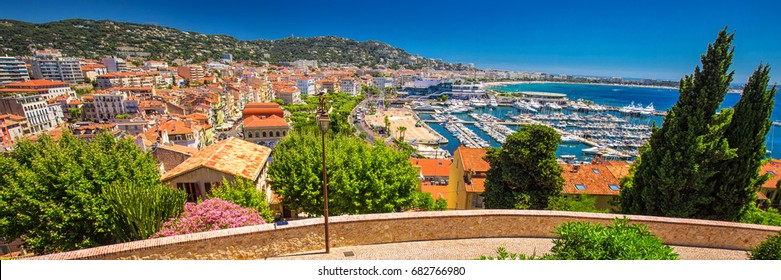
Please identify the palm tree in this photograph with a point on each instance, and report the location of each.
(402, 130)
(387, 125)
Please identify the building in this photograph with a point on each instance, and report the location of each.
(130, 79)
(227, 58)
(50, 65)
(12, 70)
(229, 160)
(109, 105)
(305, 64)
(331, 85)
(114, 64)
(92, 71)
(155, 64)
(31, 100)
(769, 190)
(350, 86)
(467, 179)
(90, 131)
(266, 131)
(289, 95)
(262, 109)
(191, 72)
(381, 83)
(12, 128)
(171, 156)
(177, 132)
(433, 171)
(600, 179)
(306, 86)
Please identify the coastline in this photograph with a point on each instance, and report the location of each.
(489, 85)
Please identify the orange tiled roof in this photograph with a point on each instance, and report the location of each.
(432, 167)
(774, 169)
(472, 158)
(179, 148)
(619, 168)
(596, 179)
(231, 156)
(477, 186)
(36, 84)
(174, 127)
(436, 191)
(271, 121)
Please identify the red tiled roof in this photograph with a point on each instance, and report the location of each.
(477, 185)
(179, 148)
(36, 84)
(432, 167)
(436, 191)
(774, 169)
(262, 105)
(472, 158)
(262, 112)
(231, 156)
(271, 121)
(596, 179)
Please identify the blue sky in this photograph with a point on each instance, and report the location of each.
(645, 39)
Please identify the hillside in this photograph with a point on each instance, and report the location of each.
(95, 38)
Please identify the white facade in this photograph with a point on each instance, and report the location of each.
(50, 65)
(108, 106)
(41, 116)
(350, 86)
(12, 70)
(381, 83)
(114, 64)
(306, 86)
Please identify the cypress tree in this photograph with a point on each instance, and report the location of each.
(739, 178)
(682, 156)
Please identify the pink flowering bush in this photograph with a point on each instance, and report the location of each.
(211, 214)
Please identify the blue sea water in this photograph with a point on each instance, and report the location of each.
(662, 99)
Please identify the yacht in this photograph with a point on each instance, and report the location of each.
(478, 102)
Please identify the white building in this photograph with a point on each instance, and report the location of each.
(109, 105)
(306, 86)
(50, 65)
(114, 64)
(350, 86)
(31, 100)
(12, 70)
(381, 83)
(305, 64)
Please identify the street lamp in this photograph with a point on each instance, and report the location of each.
(323, 121)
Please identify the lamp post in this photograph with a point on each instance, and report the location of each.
(323, 121)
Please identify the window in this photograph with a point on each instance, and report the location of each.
(596, 171)
(191, 189)
(477, 201)
(772, 173)
(580, 187)
(277, 133)
(614, 187)
(264, 134)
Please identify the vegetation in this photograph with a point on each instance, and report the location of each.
(524, 173)
(244, 193)
(700, 164)
(64, 195)
(770, 249)
(581, 203)
(586, 241)
(95, 38)
(211, 214)
(424, 201)
(304, 115)
(754, 215)
(361, 178)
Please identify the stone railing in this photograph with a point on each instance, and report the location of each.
(258, 242)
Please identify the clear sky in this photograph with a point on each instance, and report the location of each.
(644, 39)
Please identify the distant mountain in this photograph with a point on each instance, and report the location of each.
(95, 38)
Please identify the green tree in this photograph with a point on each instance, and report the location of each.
(244, 193)
(52, 192)
(139, 210)
(524, 173)
(581, 203)
(681, 158)
(770, 249)
(75, 112)
(387, 122)
(739, 179)
(361, 178)
(402, 130)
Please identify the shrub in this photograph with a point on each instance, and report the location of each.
(586, 241)
(244, 193)
(211, 214)
(140, 210)
(424, 201)
(582, 203)
(754, 215)
(620, 241)
(770, 249)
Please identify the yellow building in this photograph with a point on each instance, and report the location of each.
(467, 179)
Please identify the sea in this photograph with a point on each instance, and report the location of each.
(612, 95)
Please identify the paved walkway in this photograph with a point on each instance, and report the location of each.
(467, 249)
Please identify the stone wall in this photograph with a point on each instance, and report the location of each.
(258, 242)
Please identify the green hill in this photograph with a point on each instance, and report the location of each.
(95, 38)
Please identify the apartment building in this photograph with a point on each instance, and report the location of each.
(31, 100)
(12, 70)
(306, 86)
(114, 64)
(350, 86)
(191, 72)
(130, 79)
(51, 65)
